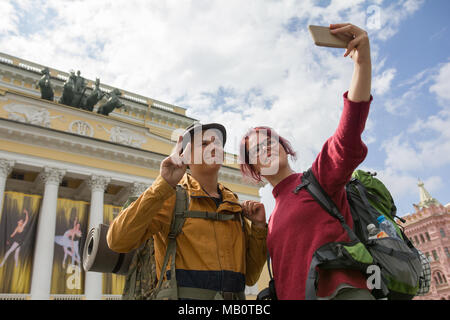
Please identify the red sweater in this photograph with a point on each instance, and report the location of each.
(298, 225)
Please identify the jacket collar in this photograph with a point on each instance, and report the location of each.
(230, 200)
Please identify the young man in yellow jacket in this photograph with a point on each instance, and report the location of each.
(218, 257)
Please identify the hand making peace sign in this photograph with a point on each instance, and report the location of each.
(174, 166)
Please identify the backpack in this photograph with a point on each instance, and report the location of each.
(392, 266)
(141, 282)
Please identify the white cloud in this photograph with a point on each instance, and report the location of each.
(441, 87)
(382, 83)
(434, 183)
(401, 156)
(399, 184)
(426, 144)
(8, 22)
(402, 105)
(394, 14)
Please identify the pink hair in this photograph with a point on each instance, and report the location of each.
(247, 169)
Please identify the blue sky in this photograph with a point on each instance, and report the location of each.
(253, 63)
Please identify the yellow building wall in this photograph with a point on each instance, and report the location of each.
(52, 154)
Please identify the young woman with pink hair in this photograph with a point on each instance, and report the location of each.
(298, 226)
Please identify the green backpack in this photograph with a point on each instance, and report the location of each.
(141, 281)
(397, 260)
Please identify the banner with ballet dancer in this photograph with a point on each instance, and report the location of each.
(113, 284)
(70, 233)
(18, 222)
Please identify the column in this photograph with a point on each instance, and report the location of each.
(98, 184)
(43, 251)
(6, 167)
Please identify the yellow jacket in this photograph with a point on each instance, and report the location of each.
(215, 255)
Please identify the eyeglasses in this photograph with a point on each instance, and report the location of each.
(263, 146)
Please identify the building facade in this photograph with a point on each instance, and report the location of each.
(429, 230)
(65, 170)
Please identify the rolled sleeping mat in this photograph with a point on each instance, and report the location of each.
(98, 257)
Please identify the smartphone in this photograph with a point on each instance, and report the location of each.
(324, 38)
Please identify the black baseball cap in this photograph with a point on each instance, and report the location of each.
(189, 133)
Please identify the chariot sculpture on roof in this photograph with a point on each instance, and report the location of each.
(75, 93)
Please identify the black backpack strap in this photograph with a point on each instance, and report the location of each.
(210, 215)
(268, 293)
(310, 183)
(312, 280)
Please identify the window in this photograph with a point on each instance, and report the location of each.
(428, 256)
(417, 240)
(442, 231)
(435, 255)
(447, 252)
(422, 238)
(17, 176)
(428, 236)
(439, 278)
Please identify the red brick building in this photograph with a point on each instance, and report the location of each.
(429, 230)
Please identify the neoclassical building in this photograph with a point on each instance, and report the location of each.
(429, 230)
(64, 170)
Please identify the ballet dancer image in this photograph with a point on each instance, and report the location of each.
(16, 238)
(69, 244)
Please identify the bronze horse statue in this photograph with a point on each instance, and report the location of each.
(45, 85)
(112, 103)
(95, 96)
(67, 95)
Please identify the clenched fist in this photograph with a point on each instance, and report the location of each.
(255, 212)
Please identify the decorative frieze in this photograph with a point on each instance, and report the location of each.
(82, 128)
(124, 136)
(29, 114)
